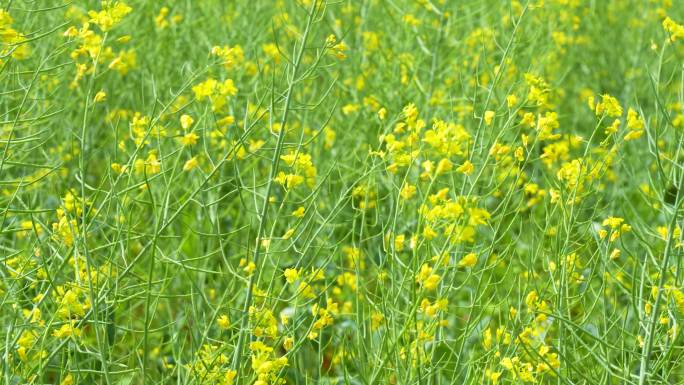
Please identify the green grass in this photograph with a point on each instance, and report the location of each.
(341, 192)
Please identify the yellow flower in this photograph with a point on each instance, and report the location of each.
(100, 97)
(26, 339)
(632, 135)
(67, 330)
(469, 260)
(466, 168)
(291, 275)
(230, 377)
(299, 213)
(288, 343)
(288, 234)
(489, 117)
(190, 164)
(519, 154)
(271, 50)
(494, 377)
(189, 139)
(411, 20)
(635, 124)
(609, 106)
(613, 222)
(613, 128)
(186, 121)
(511, 100)
(204, 89)
(408, 191)
(528, 119)
(67, 380)
(634, 121)
(678, 296)
(111, 15)
(376, 320)
(382, 113)
(289, 180)
(226, 121)
(675, 30)
(149, 166)
(223, 322)
(512, 312)
(531, 299)
(231, 56)
(507, 363)
(615, 254)
(119, 169)
(399, 242)
(443, 166)
(248, 267)
(429, 233)
(160, 20)
(331, 40)
(426, 278)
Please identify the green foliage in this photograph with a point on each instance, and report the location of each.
(341, 192)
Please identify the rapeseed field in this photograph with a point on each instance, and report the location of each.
(294, 192)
